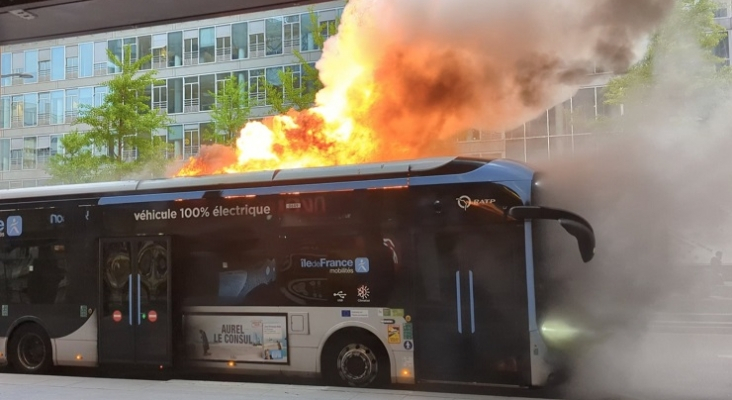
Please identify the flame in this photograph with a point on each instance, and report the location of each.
(401, 78)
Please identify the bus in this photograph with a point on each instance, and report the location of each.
(364, 275)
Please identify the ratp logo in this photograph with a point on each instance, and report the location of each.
(465, 202)
(13, 227)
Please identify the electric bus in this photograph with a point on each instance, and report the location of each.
(365, 275)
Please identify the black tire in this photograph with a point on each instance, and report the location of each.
(357, 360)
(30, 350)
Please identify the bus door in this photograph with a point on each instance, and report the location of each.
(471, 320)
(135, 322)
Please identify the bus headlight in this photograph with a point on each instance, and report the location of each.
(559, 331)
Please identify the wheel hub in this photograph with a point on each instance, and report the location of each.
(357, 365)
(31, 351)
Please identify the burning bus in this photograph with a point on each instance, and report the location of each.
(410, 271)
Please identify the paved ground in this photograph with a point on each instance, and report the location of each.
(24, 387)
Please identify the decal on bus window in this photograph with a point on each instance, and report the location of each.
(13, 227)
(241, 338)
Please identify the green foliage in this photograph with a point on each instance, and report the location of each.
(231, 111)
(123, 122)
(689, 31)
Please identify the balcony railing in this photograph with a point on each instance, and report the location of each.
(291, 45)
(191, 105)
(159, 62)
(100, 69)
(190, 58)
(44, 75)
(256, 50)
(223, 54)
(44, 119)
(72, 72)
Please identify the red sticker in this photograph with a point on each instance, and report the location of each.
(117, 315)
(152, 316)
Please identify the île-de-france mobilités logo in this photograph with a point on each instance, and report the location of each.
(12, 227)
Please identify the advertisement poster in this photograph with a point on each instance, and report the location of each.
(242, 338)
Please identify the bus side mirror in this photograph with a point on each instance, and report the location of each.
(572, 223)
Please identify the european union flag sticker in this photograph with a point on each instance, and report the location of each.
(15, 225)
(362, 265)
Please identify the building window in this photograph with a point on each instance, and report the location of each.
(239, 40)
(100, 59)
(273, 28)
(159, 51)
(192, 140)
(723, 9)
(257, 89)
(44, 109)
(55, 145)
(86, 60)
(44, 65)
(72, 67)
(273, 78)
(31, 66)
(57, 107)
(191, 100)
(43, 150)
(100, 93)
(134, 55)
(58, 60)
(5, 112)
(722, 49)
(175, 96)
(160, 96)
(223, 43)
(221, 81)
(29, 153)
(4, 154)
(328, 22)
(6, 68)
(72, 105)
(190, 47)
(144, 50)
(307, 39)
(291, 34)
(17, 116)
(207, 43)
(256, 39)
(175, 138)
(207, 91)
(16, 154)
(175, 49)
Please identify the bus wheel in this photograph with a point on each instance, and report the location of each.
(357, 360)
(30, 349)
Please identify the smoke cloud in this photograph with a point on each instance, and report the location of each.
(436, 67)
(659, 197)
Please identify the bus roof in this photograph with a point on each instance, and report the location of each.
(427, 167)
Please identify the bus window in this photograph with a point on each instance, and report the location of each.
(33, 274)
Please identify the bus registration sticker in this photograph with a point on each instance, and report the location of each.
(394, 334)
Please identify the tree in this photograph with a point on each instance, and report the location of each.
(77, 163)
(124, 122)
(299, 87)
(683, 48)
(231, 110)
